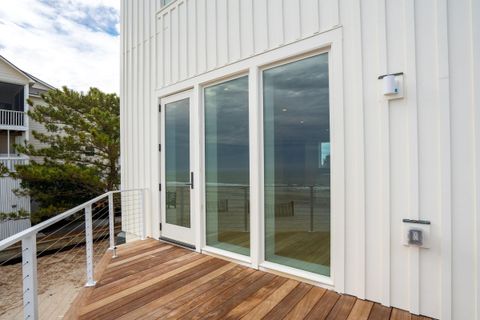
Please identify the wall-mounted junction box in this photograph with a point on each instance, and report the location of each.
(416, 233)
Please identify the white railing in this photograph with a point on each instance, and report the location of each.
(92, 218)
(12, 118)
(10, 163)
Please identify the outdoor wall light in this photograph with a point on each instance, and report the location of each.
(392, 85)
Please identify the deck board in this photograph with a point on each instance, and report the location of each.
(155, 280)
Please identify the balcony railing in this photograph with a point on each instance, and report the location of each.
(65, 236)
(12, 118)
(10, 162)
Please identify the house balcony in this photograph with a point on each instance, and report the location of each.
(147, 278)
(10, 162)
(13, 120)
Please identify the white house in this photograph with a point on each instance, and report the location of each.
(334, 141)
(16, 86)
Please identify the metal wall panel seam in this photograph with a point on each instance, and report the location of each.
(445, 156)
(384, 155)
(411, 89)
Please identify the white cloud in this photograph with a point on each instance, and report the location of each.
(63, 42)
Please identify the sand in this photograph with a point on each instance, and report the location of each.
(60, 278)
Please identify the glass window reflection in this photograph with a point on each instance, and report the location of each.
(227, 166)
(297, 164)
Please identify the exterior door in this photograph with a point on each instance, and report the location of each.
(177, 177)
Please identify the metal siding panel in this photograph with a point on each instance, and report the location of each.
(192, 37)
(309, 14)
(292, 20)
(260, 22)
(182, 41)
(234, 29)
(174, 45)
(201, 27)
(211, 34)
(275, 23)
(222, 32)
(246, 28)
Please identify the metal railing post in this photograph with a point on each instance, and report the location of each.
(29, 272)
(111, 219)
(89, 245)
(142, 215)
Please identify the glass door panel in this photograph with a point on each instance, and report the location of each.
(177, 163)
(227, 166)
(177, 176)
(297, 164)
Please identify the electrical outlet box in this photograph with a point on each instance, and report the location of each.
(416, 233)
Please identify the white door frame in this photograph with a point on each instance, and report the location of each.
(169, 231)
(331, 42)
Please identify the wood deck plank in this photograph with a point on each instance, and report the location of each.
(232, 302)
(194, 299)
(342, 308)
(141, 297)
(380, 312)
(155, 280)
(256, 298)
(398, 314)
(140, 277)
(289, 302)
(263, 308)
(112, 298)
(159, 302)
(207, 306)
(361, 310)
(323, 307)
(302, 308)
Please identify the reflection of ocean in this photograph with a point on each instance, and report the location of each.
(297, 208)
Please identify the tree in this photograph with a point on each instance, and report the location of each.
(79, 159)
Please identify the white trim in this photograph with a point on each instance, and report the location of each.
(306, 276)
(170, 231)
(232, 256)
(256, 166)
(201, 161)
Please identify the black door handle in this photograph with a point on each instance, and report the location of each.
(191, 181)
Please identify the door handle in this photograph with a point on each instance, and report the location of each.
(191, 181)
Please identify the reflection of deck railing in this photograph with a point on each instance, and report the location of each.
(12, 118)
(10, 163)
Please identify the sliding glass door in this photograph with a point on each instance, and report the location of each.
(227, 166)
(297, 164)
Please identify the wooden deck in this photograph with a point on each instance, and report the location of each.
(155, 280)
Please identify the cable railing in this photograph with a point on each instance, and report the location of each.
(43, 268)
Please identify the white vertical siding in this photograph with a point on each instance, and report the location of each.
(417, 157)
(9, 201)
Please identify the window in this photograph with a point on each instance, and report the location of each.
(165, 2)
(297, 164)
(227, 166)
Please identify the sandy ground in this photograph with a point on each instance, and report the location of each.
(60, 278)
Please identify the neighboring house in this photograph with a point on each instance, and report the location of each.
(336, 142)
(16, 86)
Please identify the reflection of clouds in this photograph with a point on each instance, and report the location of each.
(302, 88)
(296, 115)
(177, 140)
(226, 112)
(226, 132)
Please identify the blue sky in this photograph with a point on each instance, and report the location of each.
(63, 42)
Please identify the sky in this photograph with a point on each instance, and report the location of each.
(64, 42)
